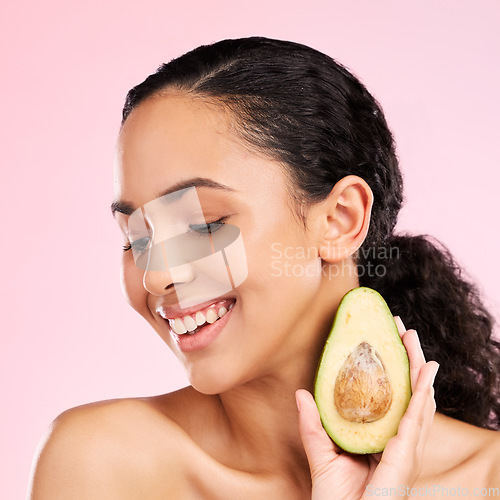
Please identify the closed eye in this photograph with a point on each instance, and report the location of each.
(142, 244)
(139, 245)
(206, 229)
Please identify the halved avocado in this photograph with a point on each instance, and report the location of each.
(363, 386)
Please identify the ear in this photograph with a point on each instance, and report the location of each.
(343, 218)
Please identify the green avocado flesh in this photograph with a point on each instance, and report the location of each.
(363, 386)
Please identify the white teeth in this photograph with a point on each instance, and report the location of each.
(211, 316)
(189, 323)
(200, 318)
(179, 326)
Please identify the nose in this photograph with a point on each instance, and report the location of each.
(159, 278)
(158, 282)
(164, 282)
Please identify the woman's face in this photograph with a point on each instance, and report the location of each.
(172, 139)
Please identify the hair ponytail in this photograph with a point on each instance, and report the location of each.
(424, 285)
(318, 120)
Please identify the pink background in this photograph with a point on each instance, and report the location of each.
(68, 337)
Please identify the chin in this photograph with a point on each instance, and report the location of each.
(213, 378)
(210, 385)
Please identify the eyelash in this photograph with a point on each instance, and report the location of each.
(209, 229)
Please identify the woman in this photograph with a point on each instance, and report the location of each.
(282, 143)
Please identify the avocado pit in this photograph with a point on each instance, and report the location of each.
(362, 391)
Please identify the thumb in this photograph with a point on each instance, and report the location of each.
(319, 448)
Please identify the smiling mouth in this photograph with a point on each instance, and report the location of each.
(193, 323)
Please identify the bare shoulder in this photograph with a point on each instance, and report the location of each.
(116, 449)
(483, 463)
(492, 458)
(463, 454)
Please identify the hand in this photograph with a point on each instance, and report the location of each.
(340, 475)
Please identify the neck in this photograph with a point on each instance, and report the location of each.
(266, 433)
(261, 415)
(262, 418)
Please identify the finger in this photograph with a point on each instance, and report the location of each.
(402, 457)
(430, 411)
(415, 355)
(416, 423)
(400, 325)
(319, 448)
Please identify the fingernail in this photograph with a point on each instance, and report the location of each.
(435, 372)
(298, 403)
(400, 323)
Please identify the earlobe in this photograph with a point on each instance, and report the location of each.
(346, 217)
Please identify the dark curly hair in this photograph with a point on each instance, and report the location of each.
(309, 112)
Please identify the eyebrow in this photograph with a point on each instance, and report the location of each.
(127, 208)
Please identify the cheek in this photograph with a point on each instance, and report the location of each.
(284, 276)
(284, 257)
(132, 285)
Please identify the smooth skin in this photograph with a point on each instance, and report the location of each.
(236, 432)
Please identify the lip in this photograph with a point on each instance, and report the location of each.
(204, 337)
